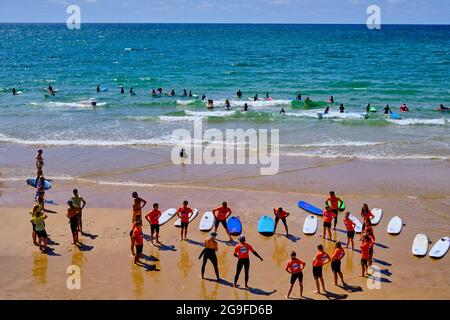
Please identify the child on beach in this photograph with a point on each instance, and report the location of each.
(209, 253)
(280, 214)
(38, 220)
(78, 203)
(184, 213)
(39, 160)
(33, 213)
(242, 252)
(138, 204)
(295, 269)
(365, 246)
(222, 214)
(138, 240)
(327, 216)
(73, 213)
(320, 259)
(338, 254)
(350, 226)
(366, 214)
(40, 193)
(153, 218)
(369, 233)
(334, 203)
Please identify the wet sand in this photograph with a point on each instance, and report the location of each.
(415, 190)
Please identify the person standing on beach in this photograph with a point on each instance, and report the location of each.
(78, 203)
(365, 246)
(39, 160)
(138, 240)
(40, 193)
(242, 252)
(34, 213)
(350, 226)
(184, 213)
(73, 213)
(320, 259)
(222, 214)
(280, 214)
(138, 204)
(369, 233)
(153, 218)
(327, 216)
(366, 214)
(38, 220)
(334, 203)
(209, 253)
(338, 254)
(295, 269)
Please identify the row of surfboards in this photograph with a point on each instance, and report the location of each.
(420, 244)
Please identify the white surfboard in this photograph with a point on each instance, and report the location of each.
(378, 214)
(167, 215)
(440, 248)
(358, 224)
(395, 225)
(192, 217)
(207, 221)
(310, 225)
(420, 245)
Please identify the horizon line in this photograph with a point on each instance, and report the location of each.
(237, 23)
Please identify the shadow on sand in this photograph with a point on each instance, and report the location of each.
(84, 247)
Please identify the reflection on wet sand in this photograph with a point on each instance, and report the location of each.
(40, 266)
(137, 274)
(78, 258)
(280, 254)
(222, 257)
(210, 294)
(185, 264)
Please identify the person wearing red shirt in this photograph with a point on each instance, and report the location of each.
(222, 214)
(366, 214)
(327, 216)
(242, 252)
(295, 269)
(338, 254)
(365, 246)
(320, 259)
(334, 203)
(280, 214)
(184, 213)
(138, 240)
(153, 218)
(350, 226)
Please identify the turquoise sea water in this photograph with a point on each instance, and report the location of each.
(395, 65)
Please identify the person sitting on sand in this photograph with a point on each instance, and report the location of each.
(184, 213)
(320, 259)
(245, 107)
(153, 218)
(79, 203)
(255, 98)
(295, 269)
(365, 213)
(209, 253)
(38, 220)
(365, 246)
(138, 240)
(350, 227)
(239, 94)
(138, 204)
(222, 214)
(34, 213)
(341, 108)
(280, 214)
(387, 109)
(328, 217)
(242, 252)
(336, 258)
(334, 203)
(73, 214)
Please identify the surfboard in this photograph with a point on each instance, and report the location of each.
(358, 224)
(372, 109)
(104, 90)
(309, 208)
(395, 225)
(32, 182)
(440, 248)
(420, 245)
(395, 116)
(207, 222)
(18, 93)
(192, 217)
(266, 225)
(234, 226)
(378, 214)
(310, 225)
(167, 215)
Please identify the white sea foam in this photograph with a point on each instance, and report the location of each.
(412, 122)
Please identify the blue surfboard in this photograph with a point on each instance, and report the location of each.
(310, 208)
(234, 226)
(395, 116)
(32, 182)
(266, 225)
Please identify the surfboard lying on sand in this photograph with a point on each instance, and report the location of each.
(167, 215)
(207, 221)
(234, 226)
(358, 224)
(395, 225)
(266, 225)
(192, 217)
(378, 214)
(310, 225)
(309, 208)
(440, 248)
(32, 182)
(420, 245)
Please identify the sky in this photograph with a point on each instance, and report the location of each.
(227, 11)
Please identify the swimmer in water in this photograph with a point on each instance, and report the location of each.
(342, 108)
(255, 98)
(98, 88)
(327, 109)
(245, 107)
(299, 96)
(227, 105)
(184, 93)
(282, 111)
(14, 92)
(387, 109)
(122, 90)
(239, 93)
(332, 99)
(203, 97)
(190, 94)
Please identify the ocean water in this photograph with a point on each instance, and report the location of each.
(395, 65)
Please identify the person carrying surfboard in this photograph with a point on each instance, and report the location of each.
(334, 203)
(350, 226)
(79, 203)
(153, 218)
(209, 253)
(138, 204)
(184, 213)
(336, 258)
(365, 246)
(295, 269)
(328, 217)
(73, 214)
(280, 214)
(242, 252)
(320, 259)
(222, 214)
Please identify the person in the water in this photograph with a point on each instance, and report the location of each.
(299, 96)
(203, 97)
(282, 111)
(153, 92)
(184, 93)
(267, 96)
(172, 93)
(159, 90)
(122, 90)
(239, 93)
(342, 108)
(245, 107)
(131, 91)
(255, 98)
(387, 109)
(51, 90)
(14, 92)
(441, 107)
(190, 94)
(98, 88)
(331, 99)
(368, 108)
(210, 105)
(327, 109)
(227, 105)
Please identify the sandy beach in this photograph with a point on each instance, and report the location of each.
(412, 189)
